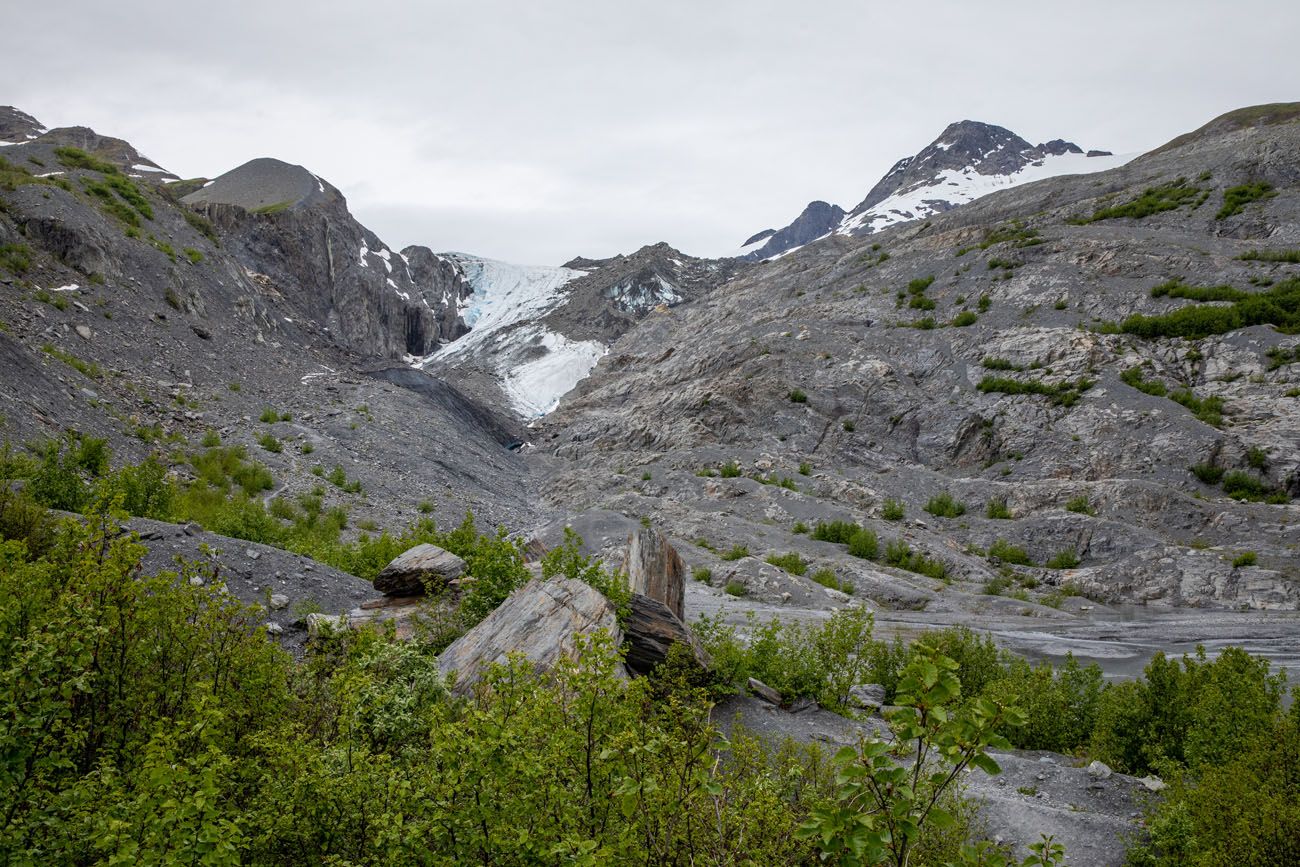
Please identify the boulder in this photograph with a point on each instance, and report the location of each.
(1099, 771)
(763, 691)
(651, 630)
(868, 696)
(419, 570)
(655, 570)
(541, 620)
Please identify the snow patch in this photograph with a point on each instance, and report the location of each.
(364, 253)
(141, 167)
(71, 287)
(953, 187)
(535, 387)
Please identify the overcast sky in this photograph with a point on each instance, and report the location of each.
(537, 131)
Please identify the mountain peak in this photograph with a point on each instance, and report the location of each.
(264, 184)
(969, 159)
(18, 126)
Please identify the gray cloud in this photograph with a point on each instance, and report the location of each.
(539, 131)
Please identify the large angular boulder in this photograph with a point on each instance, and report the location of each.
(421, 569)
(651, 630)
(541, 620)
(655, 570)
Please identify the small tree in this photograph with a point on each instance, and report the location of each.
(888, 794)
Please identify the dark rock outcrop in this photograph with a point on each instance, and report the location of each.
(654, 569)
(649, 633)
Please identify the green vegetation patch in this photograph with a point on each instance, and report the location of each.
(1278, 306)
(1235, 199)
(1154, 200)
(1060, 394)
(1290, 256)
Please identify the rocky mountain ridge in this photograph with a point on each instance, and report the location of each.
(969, 159)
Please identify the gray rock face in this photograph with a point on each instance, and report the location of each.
(420, 570)
(888, 412)
(294, 231)
(18, 126)
(869, 696)
(654, 569)
(541, 620)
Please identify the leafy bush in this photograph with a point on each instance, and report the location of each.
(944, 506)
(736, 588)
(1153, 200)
(1207, 472)
(1236, 198)
(1060, 394)
(991, 363)
(839, 532)
(1133, 377)
(797, 395)
(15, 258)
(270, 443)
(1278, 306)
(1246, 558)
(1009, 553)
(703, 574)
(892, 510)
(1207, 409)
(730, 470)
(792, 563)
(863, 544)
(1064, 559)
(1291, 256)
(1080, 505)
(920, 284)
(997, 509)
(735, 552)
(964, 318)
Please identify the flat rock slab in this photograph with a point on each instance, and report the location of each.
(541, 620)
(419, 570)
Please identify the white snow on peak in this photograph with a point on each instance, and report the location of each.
(535, 387)
(959, 186)
(320, 185)
(141, 167)
(386, 255)
(365, 251)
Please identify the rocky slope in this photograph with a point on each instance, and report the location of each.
(968, 160)
(131, 315)
(846, 383)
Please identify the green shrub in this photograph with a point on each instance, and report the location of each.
(1060, 394)
(1009, 553)
(1080, 505)
(1207, 472)
(1291, 256)
(730, 470)
(920, 302)
(15, 258)
(792, 563)
(964, 318)
(900, 555)
(848, 425)
(195, 256)
(1278, 306)
(736, 588)
(703, 574)
(839, 532)
(797, 395)
(991, 363)
(1207, 409)
(269, 416)
(1236, 198)
(1246, 558)
(1153, 200)
(827, 578)
(863, 544)
(944, 506)
(735, 552)
(270, 443)
(1064, 559)
(799, 528)
(892, 510)
(1133, 377)
(997, 509)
